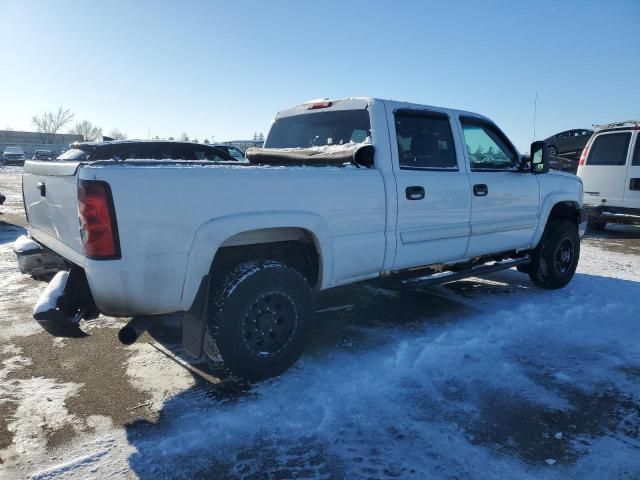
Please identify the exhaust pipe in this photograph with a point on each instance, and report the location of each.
(133, 330)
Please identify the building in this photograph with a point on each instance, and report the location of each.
(32, 141)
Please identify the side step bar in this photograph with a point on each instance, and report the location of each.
(450, 276)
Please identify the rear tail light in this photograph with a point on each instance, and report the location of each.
(583, 156)
(98, 227)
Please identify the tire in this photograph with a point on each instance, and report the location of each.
(259, 315)
(596, 226)
(555, 259)
(553, 150)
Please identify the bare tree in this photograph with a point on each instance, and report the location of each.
(184, 137)
(117, 134)
(50, 123)
(206, 141)
(89, 132)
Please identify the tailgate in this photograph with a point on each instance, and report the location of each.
(50, 197)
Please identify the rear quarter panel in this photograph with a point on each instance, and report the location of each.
(173, 218)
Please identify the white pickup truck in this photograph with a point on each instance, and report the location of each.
(343, 191)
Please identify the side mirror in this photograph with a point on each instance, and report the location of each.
(539, 157)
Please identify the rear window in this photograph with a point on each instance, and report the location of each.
(609, 149)
(319, 129)
(73, 155)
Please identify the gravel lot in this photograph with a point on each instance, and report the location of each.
(479, 379)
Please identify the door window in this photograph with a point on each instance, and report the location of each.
(486, 148)
(609, 149)
(425, 141)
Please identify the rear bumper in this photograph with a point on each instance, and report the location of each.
(36, 260)
(66, 300)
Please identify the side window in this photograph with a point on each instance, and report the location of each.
(425, 141)
(609, 149)
(636, 154)
(486, 148)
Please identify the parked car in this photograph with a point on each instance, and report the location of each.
(42, 155)
(610, 170)
(387, 189)
(233, 151)
(143, 150)
(569, 141)
(13, 156)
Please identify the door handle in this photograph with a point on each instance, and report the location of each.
(634, 184)
(415, 193)
(480, 190)
(42, 187)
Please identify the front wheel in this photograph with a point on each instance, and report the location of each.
(555, 259)
(259, 315)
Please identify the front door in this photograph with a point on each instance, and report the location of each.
(505, 200)
(434, 200)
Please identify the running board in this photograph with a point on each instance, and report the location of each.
(450, 276)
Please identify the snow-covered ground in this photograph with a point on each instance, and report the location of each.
(480, 379)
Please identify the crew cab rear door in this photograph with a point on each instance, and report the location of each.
(50, 197)
(434, 200)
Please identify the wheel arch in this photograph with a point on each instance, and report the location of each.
(257, 232)
(556, 207)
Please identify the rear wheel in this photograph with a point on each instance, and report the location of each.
(553, 151)
(555, 259)
(259, 316)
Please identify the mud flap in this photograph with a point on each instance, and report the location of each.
(64, 302)
(194, 324)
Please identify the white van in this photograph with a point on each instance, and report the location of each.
(610, 171)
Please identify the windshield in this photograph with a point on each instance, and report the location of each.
(319, 129)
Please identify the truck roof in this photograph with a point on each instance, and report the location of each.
(356, 103)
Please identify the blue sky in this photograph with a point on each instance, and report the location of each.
(223, 69)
